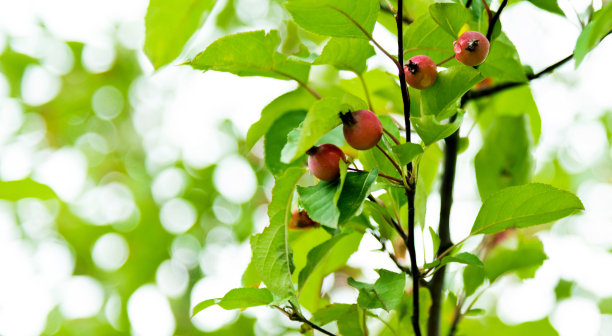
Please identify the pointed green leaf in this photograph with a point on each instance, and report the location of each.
(511, 102)
(316, 255)
(430, 130)
(321, 118)
(548, 5)
(463, 258)
(525, 259)
(425, 37)
(452, 17)
(354, 192)
(435, 239)
(503, 62)
(473, 277)
(27, 188)
(238, 298)
(407, 152)
(523, 206)
(245, 297)
(203, 305)
(271, 253)
(386, 292)
(504, 160)
(594, 32)
(331, 260)
(276, 138)
(332, 17)
(168, 26)
(318, 201)
(251, 54)
(296, 100)
(346, 54)
(442, 97)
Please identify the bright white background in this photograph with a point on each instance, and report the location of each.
(177, 110)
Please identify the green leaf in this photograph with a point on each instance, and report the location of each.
(331, 203)
(331, 260)
(605, 306)
(548, 5)
(524, 206)
(354, 192)
(276, 138)
(318, 201)
(503, 62)
(593, 33)
(346, 54)
(296, 100)
(435, 239)
(238, 298)
(407, 152)
(483, 327)
(251, 54)
(452, 17)
(473, 277)
(317, 254)
(250, 277)
(331, 17)
(386, 292)
(245, 297)
(321, 118)
(526, 258)
(271, 253)
(430, 130)
(203, 305)
(27, 188)
(504, 160)
(442, 97)
(463, 258)
(425, 37)
(511, 102)
(384, 90)
(331, 313)
(168, 26)
(346, 315)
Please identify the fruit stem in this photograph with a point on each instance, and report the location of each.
(347, 119)
(312, 151)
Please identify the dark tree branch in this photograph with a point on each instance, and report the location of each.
(446, 201)
(293, 314)
(391, 11)
(493, 21)
(475, 94)
(410, 192)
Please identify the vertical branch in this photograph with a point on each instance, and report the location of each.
(410, 192)
(446, 202)
(493, 21)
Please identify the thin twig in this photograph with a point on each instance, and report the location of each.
(365, 90)
(294, 315)
(396, 140)
(399, 170)
(368, 35)
(392, 179)
(446, 60)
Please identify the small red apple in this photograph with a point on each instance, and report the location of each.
(362, 129)
(324, 161)
(421, 72)
(471, 48)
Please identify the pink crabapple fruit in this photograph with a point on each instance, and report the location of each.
(421, 72)
(471, 48)
(362, 129)
(324, 161)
